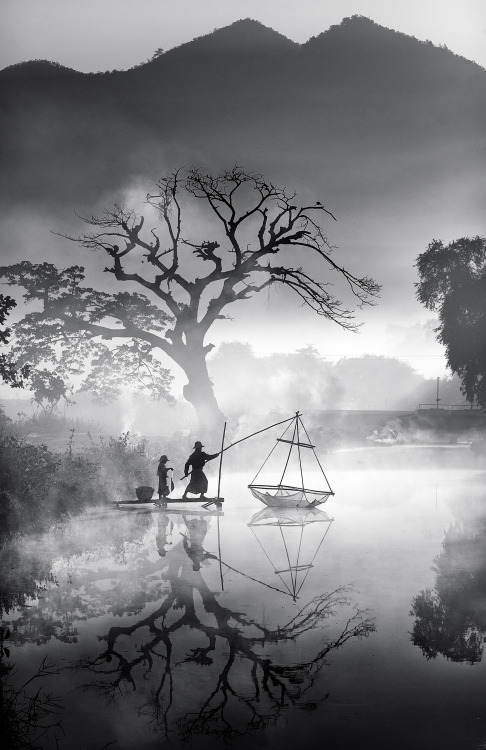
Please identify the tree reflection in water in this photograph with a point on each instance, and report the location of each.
(246, 688)
(51, 606)
(201, 667)
(451, 619)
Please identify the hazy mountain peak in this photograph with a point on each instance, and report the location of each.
(251, 32)
(245, 35)
(36, 69)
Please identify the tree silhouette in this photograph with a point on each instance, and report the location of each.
(453, 282)
(191, 282)
(10, 372)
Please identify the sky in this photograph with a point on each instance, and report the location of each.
(98, 35)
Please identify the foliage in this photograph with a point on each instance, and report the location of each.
(10, 372)
(453, 282)
(123, 464)
(26, 474)
(48, 389)
(38, 487)
(450, 619)
(52, 424)
(67, 336)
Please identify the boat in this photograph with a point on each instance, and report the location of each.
(279, 493)
(280, 532)
(163, 502)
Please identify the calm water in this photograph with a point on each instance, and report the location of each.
(209, 630)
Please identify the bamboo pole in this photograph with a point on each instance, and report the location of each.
(221, 459)
(258, 432)
(219, 486)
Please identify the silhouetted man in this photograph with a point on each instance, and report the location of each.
(199, 482)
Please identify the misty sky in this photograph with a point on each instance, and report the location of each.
(106, 34)
(96, 35)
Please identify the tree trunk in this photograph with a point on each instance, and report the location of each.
(199, 391)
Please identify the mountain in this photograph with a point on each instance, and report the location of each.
(388, 131)
(239, 92)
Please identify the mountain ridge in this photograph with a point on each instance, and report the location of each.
(387, 131)
(253, 35)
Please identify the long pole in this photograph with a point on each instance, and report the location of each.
(219, 485)
(221, 458)
(258, 432)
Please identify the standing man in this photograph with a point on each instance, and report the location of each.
(199, 482)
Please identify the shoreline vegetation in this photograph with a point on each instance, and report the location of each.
(40, 486)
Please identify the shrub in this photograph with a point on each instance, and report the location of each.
(38, 487)
(26, 476)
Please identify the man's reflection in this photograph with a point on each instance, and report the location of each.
(197, 528)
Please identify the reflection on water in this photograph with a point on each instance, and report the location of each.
(205, 628)
(292, 558)
(246, 687)
(450, 619)
(154, 589)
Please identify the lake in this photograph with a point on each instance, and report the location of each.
(358, 624)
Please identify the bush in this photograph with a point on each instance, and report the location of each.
(38, 488)
(26, 476)
(123, 464)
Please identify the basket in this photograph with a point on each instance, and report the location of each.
(144, 494)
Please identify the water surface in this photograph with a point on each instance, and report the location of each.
(361, 626)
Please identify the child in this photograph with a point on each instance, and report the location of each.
(166, 484)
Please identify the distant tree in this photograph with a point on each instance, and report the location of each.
(158, 53)
(453, 282)
(10, 372)
(377, 382)
(48, 389)
(261, 232)
(302, 379)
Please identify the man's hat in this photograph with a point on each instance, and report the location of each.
(198, 444)
(163, 458)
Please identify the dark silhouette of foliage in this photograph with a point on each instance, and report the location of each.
(10, 372)
(453, 282)
(451, 619)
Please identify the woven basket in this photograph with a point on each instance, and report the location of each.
(144, 494)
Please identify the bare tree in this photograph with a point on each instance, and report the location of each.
(192, 282)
